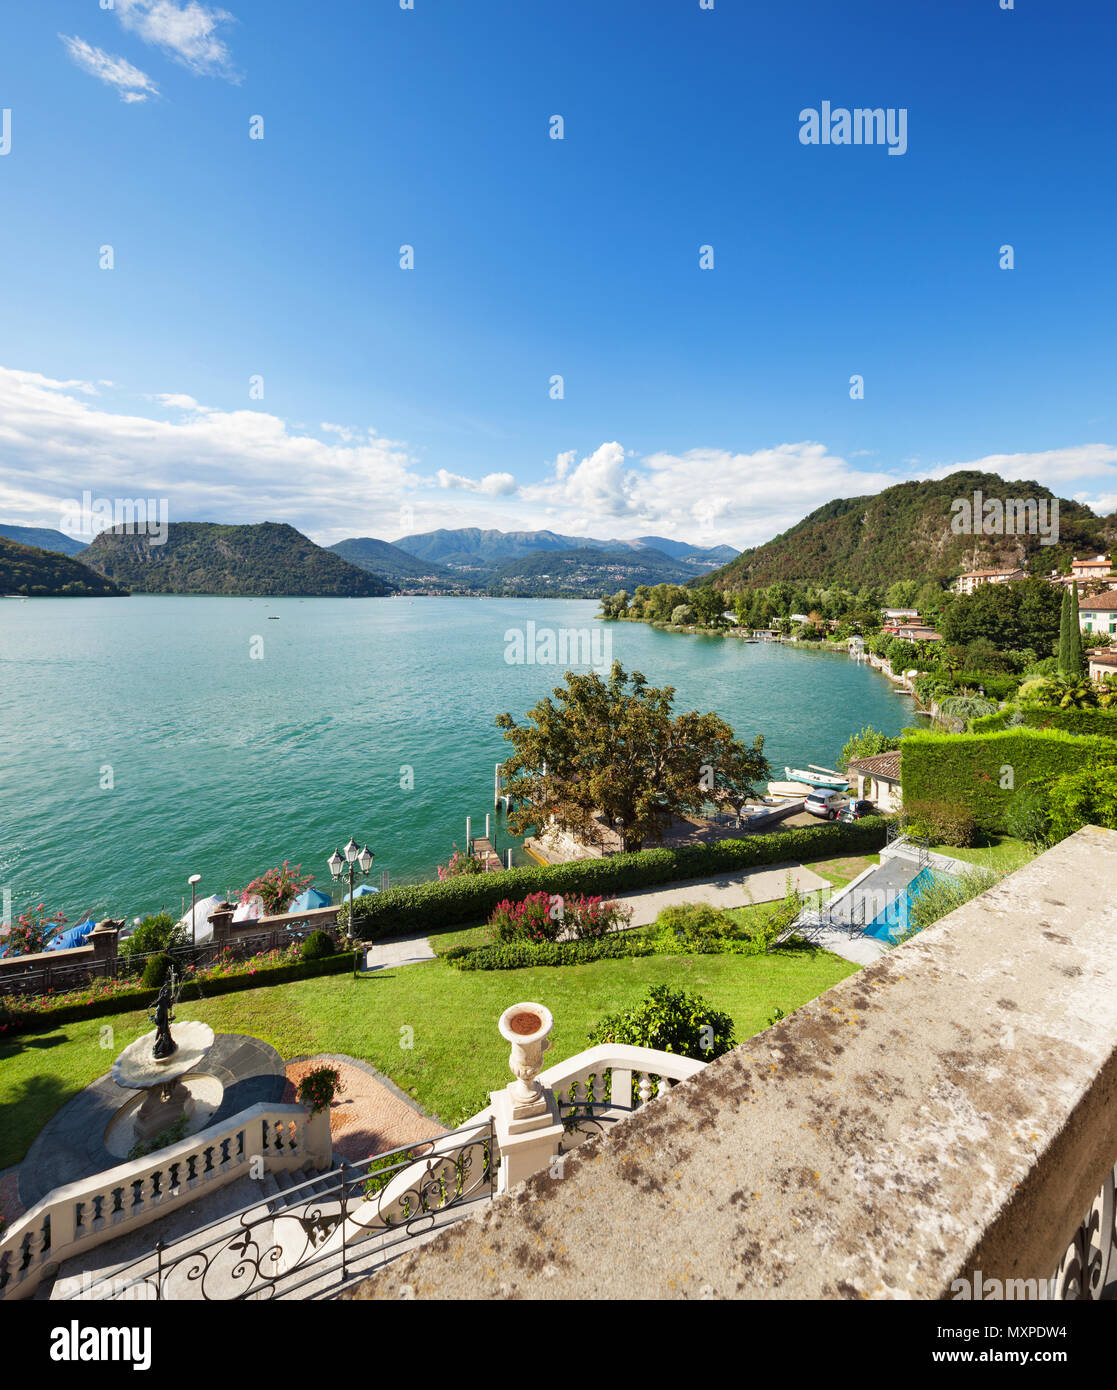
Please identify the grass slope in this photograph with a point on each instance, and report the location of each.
(456, 1057)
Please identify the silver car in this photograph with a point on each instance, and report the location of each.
(825, 803)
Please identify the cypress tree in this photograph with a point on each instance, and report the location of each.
(1072, 658)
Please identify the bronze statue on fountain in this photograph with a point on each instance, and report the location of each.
(163, 1017)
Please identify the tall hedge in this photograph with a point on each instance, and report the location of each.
(1073, 721)
(969, 770)
(424, 907)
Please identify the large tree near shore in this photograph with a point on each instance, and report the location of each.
(615, 753)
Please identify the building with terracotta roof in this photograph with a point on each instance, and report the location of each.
(1098, 568)
(1098, 613)
(1101, 664)
(881, 773)
(967, 583)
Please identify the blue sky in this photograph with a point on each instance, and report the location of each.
(712, 405)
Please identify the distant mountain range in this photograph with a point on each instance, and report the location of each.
(201, 557)
(43, 538)
(905, 532)
(37, 573)
(470, 547)
(528, 563)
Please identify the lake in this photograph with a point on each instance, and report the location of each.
(149, 738)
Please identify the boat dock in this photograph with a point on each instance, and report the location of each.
(482, 847)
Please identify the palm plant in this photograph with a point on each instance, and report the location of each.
(1073, 692)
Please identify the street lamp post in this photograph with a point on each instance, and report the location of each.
(193, 881)
(355, 861)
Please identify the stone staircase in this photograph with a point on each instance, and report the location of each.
(305, 1203)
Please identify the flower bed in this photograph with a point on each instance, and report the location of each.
(42, 1012)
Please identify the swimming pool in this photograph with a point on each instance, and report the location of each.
(892, 923)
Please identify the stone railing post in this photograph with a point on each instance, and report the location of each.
(221, 920)
(525, 1114)
(103, 939)
(317, 1139)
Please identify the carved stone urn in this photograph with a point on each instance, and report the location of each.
(527, 1027)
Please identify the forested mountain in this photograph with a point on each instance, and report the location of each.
(201, 557)
(43, 538)
(905, 532)
(26, 569)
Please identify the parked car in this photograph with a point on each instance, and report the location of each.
(825, 803)
(857, 810)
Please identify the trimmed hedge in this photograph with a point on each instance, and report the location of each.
(518, 955)
(1102, 722)
(44, 1020)
(966, 769)
(428, 907)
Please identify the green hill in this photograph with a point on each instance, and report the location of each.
(43, 538)
(25, 569)
(201, 557)
(905, 532)
(393, 564)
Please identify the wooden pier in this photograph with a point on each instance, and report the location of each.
(482, 847)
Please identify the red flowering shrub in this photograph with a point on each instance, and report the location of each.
(547, 916)
(278, 888)
(29, 935)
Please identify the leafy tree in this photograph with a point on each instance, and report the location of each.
(683, 616)
(867, 743)
(902, 593)
(1072, 659)
(615, 753)
(709, 606)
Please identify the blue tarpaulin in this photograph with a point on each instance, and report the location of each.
(72, 936)
(309, 899)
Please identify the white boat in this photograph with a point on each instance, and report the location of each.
(834, 781)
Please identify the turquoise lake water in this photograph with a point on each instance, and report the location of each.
(225, 764)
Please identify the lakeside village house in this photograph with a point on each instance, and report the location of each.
(1096, 571)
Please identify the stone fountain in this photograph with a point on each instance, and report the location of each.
(161, 1064)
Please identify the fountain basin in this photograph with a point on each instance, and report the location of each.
(136, 1069)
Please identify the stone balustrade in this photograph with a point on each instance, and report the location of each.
(945, 1116)
(99, 1208)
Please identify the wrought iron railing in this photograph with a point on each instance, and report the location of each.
(1089, 1268)
(319, 1235)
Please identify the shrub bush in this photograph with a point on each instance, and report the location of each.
(941, 822)
(1085, 797)
(317, 946)
(944, 892)
(429, 906)
(157, 932)
(518, 955)
(1027, 817)
(155, 972)
(669, 1020)
(318, 1087)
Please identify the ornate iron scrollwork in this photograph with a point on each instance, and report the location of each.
(1090, 1262)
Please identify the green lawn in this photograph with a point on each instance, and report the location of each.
(1002, 853)
(431, 1028)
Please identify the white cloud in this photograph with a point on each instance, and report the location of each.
(492, 484)
(187, 32)
(1051, 467)
(57, 440)
(218, 465)
(131, 84)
